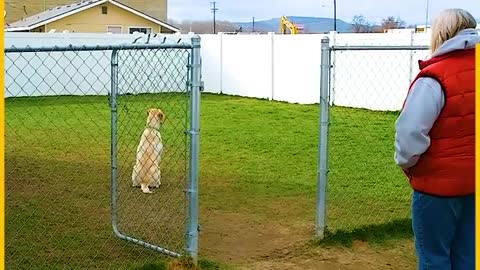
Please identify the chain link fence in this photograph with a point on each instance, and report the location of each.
(74, 119)
(362, 93)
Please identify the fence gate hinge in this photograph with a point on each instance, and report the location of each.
(200, 85)
(195, 65)
(189, 190)
(191, 132)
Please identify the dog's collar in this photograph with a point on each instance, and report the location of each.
(157, 129)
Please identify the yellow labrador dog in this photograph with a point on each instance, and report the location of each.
(146, 172)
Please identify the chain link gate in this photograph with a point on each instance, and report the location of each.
(362, 90)
(61, 105)
(156, 221)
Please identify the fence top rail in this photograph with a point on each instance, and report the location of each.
(379, 48)
(72, 48)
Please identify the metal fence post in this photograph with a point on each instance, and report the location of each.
(410, 75)
(272, 65)
(220, 36)
(323, 141)
(193, 228)
(113, 127)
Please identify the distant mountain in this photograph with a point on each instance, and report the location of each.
(310, 25)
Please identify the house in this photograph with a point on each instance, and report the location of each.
(17, 9)
(94, 16)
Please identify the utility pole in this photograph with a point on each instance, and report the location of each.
(335, 15)
(253, 24)
(214, 10)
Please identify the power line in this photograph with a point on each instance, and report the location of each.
(214, 9)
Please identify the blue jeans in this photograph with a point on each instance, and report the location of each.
(444, 231)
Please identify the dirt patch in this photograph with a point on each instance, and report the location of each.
(360, 256)
(236, 238)
(248, 242)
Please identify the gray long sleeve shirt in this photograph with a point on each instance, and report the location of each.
(423, 106)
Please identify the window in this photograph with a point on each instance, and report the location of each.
(114, 29)
(104, 10)
(145, 30)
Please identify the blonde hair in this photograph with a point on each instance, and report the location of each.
(448, 23)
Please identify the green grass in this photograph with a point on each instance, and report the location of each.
(258, 158)
(202, 264)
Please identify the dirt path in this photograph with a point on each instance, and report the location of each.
(250, 243)
(360, 256)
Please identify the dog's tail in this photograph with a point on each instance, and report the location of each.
(145, 188)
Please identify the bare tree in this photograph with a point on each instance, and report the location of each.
(392, 23)
(376, 29)
(360, 24)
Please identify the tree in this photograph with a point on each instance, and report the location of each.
(360, 24)
(392, 23)
(376, 29)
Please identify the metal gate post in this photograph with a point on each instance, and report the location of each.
(195, 87)
(113, 127)
(323, 141)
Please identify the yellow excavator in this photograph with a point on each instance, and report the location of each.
(286, 23)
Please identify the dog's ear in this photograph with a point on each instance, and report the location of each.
(161, 116)
(150, 111)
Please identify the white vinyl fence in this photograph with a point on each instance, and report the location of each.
(270, 66)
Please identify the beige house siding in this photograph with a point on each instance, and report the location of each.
(40, 29)
(18, 9)
(154, 8)
(93, 21)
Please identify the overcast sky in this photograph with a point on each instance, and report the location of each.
(412, 11)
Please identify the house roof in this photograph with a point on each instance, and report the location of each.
(57, 13)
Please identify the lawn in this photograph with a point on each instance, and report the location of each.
(258, 170)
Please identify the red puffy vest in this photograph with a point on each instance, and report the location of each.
(447, 168)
